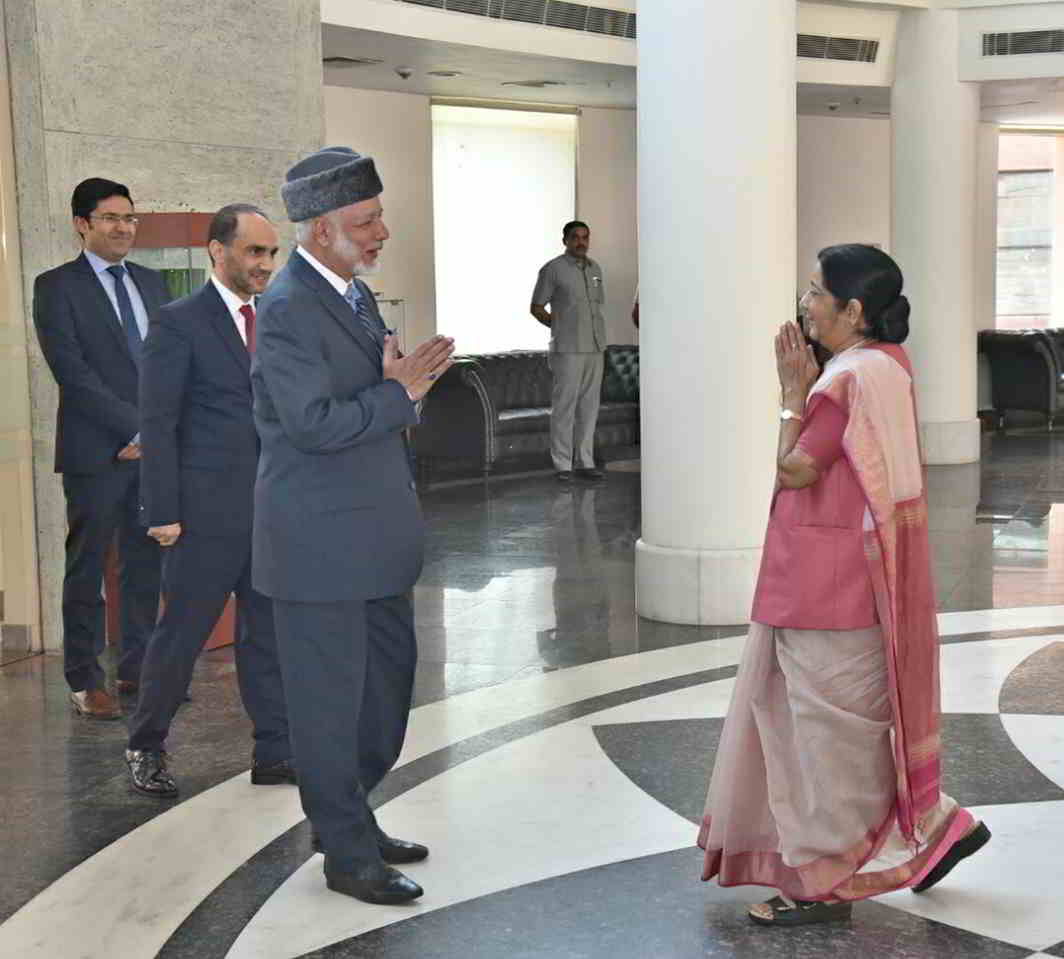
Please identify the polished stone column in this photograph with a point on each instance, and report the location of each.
(20, 613)
(936, 147)
(986, 200)
(717, 202)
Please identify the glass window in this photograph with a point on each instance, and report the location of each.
(504, 185)
(1025, 249)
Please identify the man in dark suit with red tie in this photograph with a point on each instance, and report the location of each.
(91, 316)
(200, 456)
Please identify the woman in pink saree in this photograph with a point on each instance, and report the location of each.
(826, 783)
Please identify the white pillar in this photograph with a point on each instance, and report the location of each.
(986, 200)
(936, 124)
(717, 201)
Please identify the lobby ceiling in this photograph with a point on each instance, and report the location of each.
(412, 65)
(482, 73)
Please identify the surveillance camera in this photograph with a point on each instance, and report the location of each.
(833, 106)
(405, 72)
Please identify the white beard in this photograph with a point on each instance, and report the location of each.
(352, 253)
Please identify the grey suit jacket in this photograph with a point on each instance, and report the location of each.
(336, 511)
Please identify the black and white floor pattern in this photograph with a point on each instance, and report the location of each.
(561, 809)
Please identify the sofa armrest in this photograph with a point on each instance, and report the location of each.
(458, 417)
(1022, 369)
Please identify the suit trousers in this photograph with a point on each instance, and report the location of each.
(199, 573)
(574, 409)
(349, 677)
(98, 505)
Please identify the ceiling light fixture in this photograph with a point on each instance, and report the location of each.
(444, 73)
(350, 61)
(534, 84)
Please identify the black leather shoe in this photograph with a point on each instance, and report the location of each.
(274, 774)
(589, 474)
(375, 882)
(961, 849)
(397, 851)
(394, 851)
(563, 476)
(148, 773)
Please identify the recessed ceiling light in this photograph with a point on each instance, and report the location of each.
(534, 84)
(350, 61)
(444, 73)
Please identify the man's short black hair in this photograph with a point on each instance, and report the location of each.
(224, 223)
(88, 194)
(573, 225)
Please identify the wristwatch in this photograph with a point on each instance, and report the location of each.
(789, 415)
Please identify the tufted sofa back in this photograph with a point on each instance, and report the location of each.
(620, 377)
(516, 380)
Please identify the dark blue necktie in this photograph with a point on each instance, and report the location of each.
(125, 311)
(361, 308)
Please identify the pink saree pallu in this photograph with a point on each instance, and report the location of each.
(827, 778)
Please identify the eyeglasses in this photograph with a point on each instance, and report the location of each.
(113, 219)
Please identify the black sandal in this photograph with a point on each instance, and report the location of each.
(961, 849)
(802, 913)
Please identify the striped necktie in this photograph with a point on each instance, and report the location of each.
(361, 309)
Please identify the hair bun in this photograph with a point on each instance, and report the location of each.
(892, 325)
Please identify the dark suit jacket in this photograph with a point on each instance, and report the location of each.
(336, 512)
(85, 346)
(199, 450)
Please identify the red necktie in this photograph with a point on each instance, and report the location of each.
(249, 326)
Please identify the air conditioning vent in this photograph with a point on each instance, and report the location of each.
(563, 14)
(568, 16)
(524, 11)
(1017, 44)
(848, 49)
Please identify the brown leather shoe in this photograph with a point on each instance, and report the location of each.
(95, 704)
(126, 687)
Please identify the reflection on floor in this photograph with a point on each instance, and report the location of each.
(555, 763)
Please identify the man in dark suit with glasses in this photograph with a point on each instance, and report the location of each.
(91, 316)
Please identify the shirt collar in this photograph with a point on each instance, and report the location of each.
(580, 262)
(334, 280)
(231, 300)
(99, 264)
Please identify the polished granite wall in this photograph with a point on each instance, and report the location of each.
(19, 607)
(192, 105)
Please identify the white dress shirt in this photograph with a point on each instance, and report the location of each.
(336, 281)
(233, 304)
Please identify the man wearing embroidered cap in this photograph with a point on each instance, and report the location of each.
(339, 538)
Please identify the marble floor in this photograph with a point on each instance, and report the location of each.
(556, 762)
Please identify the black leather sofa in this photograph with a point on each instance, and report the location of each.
(490, 413)
(1026, 371)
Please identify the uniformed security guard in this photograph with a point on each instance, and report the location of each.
(571, 285)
